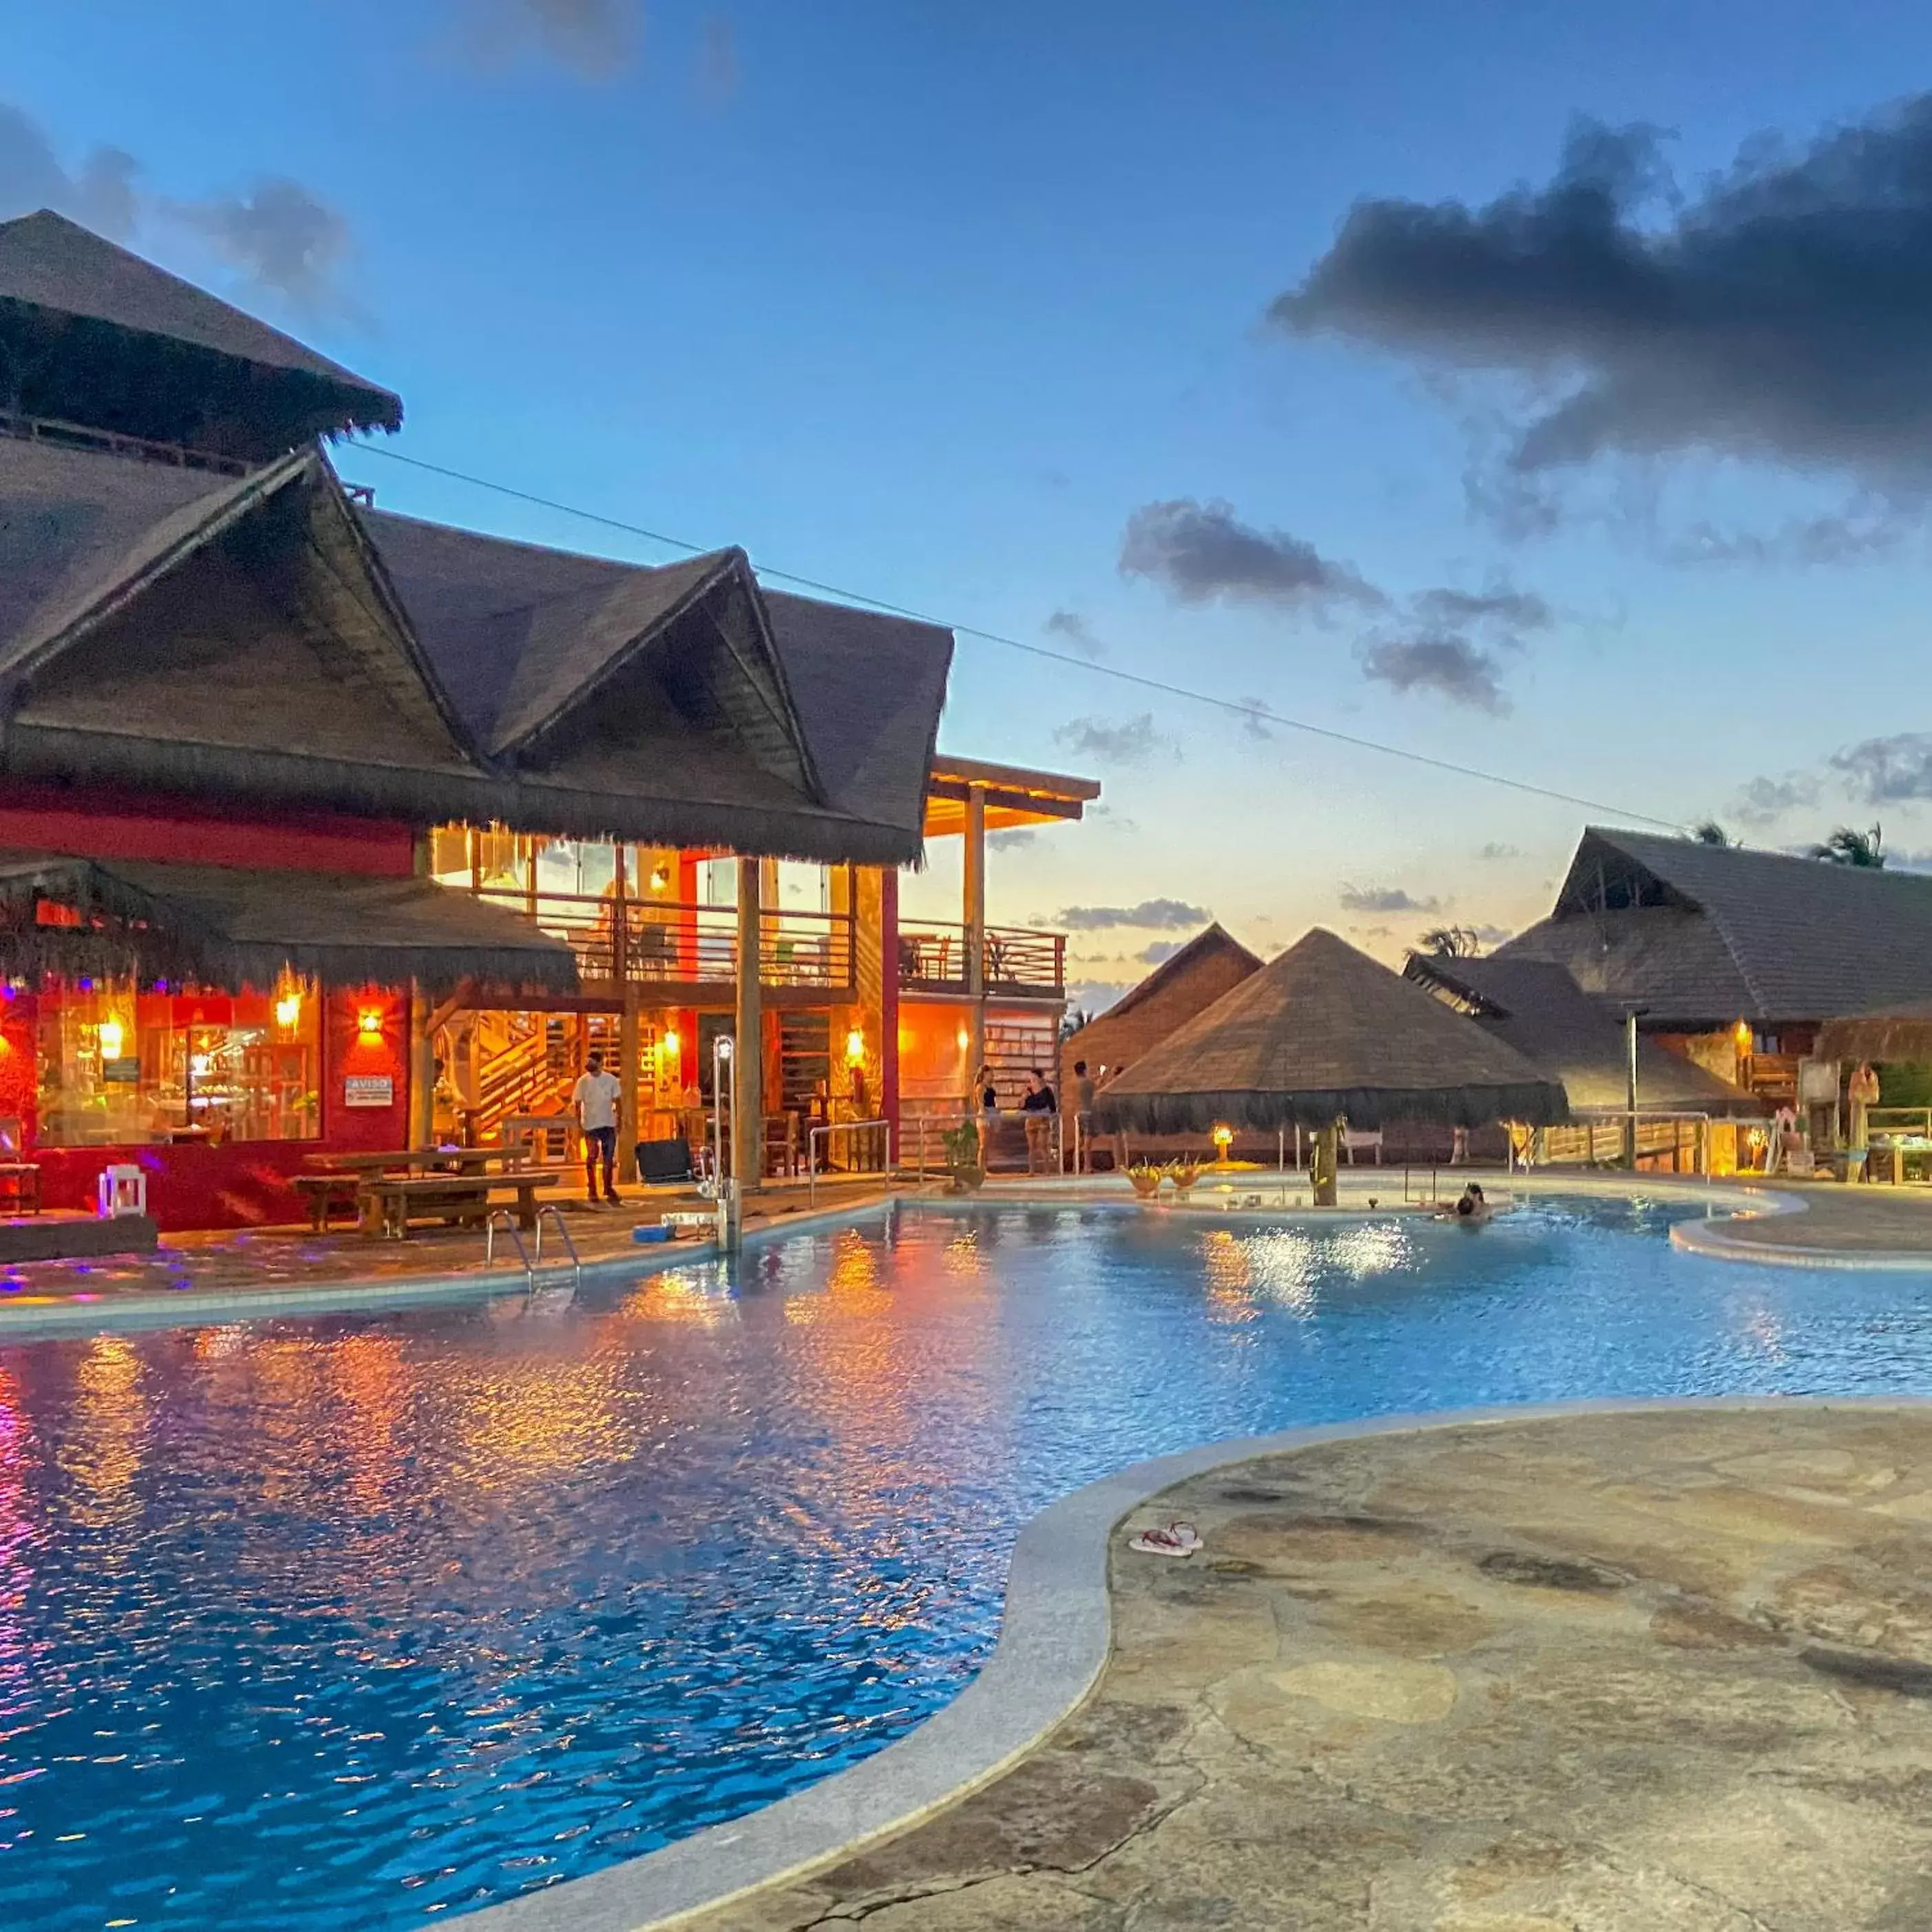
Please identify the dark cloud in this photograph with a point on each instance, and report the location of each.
(1131, 741)
(1784, 312)
(1153, 915)
(1492, 935)
(1160, 953)
(280, 236)
(1013, 839)
(1441, 663)
(718, 75)
(1073, 629)
(1491, 852)
(1383, 899)
(1255, 724)
(1884, 771)
(1765, 798)
(101, 192)
(1499, 608)
(1201, 552)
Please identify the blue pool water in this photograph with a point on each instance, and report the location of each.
(348, 1622)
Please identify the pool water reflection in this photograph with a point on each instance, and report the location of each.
(347, 1622)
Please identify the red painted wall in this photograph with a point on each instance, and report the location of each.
(104, 824)
(241, 1183)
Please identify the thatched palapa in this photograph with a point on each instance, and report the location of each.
(229, 927)
(1325, 1033)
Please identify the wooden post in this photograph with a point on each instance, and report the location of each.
(747, 1123)
(974, 917)
(1324, 1166)
(630, 1123)
(422, 1070)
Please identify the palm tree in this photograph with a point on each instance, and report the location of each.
(1847, 847)
(1450, 942)
(1709, 832)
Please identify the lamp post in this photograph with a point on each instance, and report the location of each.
(723, 1096)
(1631, 1016)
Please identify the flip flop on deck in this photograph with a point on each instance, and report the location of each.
(1176, 1539)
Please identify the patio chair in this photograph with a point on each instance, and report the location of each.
(19, 1180)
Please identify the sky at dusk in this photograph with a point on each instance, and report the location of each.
(1542, 390)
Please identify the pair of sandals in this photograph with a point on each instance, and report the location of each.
(1173, 1539)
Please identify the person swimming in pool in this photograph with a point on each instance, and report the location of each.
(1469, 1207)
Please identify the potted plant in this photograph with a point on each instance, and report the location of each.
(1146, 1178)
(1183, 1173)
(962, 1158)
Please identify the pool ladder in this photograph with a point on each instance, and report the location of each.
(503, 1218)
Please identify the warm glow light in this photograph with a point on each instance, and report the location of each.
(670, 1041)
(965, 1040)
(660, 878)
(113, 1037)
(1744, 1034)
(369, 1022)
(1224, 1138)
(855, 1047)
(288, 1009)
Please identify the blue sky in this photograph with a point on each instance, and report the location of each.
(930, 302)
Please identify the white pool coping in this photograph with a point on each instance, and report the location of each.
(1054, 1644)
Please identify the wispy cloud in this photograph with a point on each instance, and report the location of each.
(1492, 853)
(1150, 915)
(1384, 899)
(1015, 838)
(1160, 953)
(593, 38)
(1130, 741)
(100, 191)
(1202, 553)
(1255, 724)
(280, 237)
(1073, 630)
(1766, 799)
(1886, 771)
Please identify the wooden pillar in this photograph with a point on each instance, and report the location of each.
(748, 1124)
(1325, 1150)
(422, 1070)
(630, 1124)
(889, 999)
(972, 916)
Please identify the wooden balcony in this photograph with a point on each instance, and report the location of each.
(1020, 963)
(681, 954)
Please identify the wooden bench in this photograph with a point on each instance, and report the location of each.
(389, 1201)
(324, 1192)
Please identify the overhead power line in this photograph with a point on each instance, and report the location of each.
(1250, 713)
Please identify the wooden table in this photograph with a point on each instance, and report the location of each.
(373, 1184)
(457, 1200)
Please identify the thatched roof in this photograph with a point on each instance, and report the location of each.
(229, 927)
(1701, 936)
(259, 637)
(1212, 963)
(1899, 1033)
(1537, 1008)
(91, 334)
(1322, 1032)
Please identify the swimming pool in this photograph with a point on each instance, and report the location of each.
(349, 1622)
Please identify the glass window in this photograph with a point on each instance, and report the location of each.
(118, 1065)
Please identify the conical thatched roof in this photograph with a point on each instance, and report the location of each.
(1322, 1032)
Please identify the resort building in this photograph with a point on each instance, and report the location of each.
(1732, 959)
(1212, 963)
(323, 829)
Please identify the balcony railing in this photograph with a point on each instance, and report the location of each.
(1018, 961)
(670, 943)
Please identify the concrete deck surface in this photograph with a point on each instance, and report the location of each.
(1668, 1672)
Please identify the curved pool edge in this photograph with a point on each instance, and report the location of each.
(1055, 1638)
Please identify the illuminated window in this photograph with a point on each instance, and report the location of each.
(118, 1066)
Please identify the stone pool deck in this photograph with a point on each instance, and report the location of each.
(1661, 1671)
(260, 1273)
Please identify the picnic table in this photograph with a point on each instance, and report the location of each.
(455, 1185)
(392, 1201)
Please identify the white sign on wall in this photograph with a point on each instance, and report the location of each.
(368, 1090)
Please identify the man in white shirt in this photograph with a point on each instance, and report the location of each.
(596, 1100)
